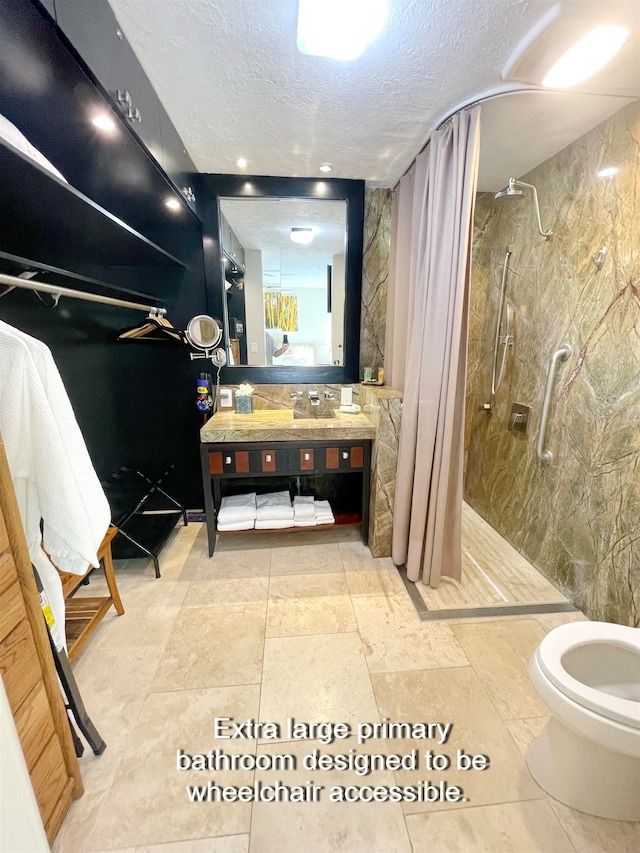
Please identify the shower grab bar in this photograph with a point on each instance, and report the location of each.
(559, 355)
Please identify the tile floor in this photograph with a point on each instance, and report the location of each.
(307, 626)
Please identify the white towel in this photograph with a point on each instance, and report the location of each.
(235, 525)
(274, 506)
(304, 507)
(273, 523)
(324, 513)
(237, 508)
(306, 522)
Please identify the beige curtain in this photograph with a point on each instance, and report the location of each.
(433, 220)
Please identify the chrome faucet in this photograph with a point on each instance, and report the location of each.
(329, 396)
(313, 396)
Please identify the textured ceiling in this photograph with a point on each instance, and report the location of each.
(235, 85)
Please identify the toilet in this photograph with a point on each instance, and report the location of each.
(588, 754)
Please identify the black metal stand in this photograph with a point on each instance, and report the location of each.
(73, 699)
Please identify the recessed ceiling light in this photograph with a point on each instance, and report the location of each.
(325, 167)
(608, 172)
(172, 204)
(104, 122)
(586, 56)
(241, 163)
(301, 235)
(339, 29)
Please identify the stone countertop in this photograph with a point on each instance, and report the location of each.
(280, 425)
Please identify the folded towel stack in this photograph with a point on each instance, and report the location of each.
(324, 513)
(274, 511)
(237, 512)
(304, 511)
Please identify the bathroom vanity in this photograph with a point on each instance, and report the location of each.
(273, 443)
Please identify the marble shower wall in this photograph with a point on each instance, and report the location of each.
(375, 274)
(576, 519)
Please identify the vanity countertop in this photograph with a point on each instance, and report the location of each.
(280, 425)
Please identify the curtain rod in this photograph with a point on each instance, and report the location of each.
(14, 281)
(475, 100)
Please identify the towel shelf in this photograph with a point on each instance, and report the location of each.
(253, 460)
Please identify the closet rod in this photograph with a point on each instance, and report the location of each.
(42, 287)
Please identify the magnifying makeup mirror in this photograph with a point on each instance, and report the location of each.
(205, 333)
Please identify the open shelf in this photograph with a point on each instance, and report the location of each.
(37, 209)
(14, 265)
(343, 519)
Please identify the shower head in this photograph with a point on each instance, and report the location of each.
(512, 191)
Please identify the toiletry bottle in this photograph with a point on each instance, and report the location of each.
(381, 375)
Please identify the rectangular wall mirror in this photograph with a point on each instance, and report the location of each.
(284, 273)
(284, 266)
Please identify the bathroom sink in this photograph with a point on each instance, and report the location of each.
(313, 412)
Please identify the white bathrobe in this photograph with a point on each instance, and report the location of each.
(52, 473)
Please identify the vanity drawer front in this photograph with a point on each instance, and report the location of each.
(305, 458)
(228, 461)
(350, 457)
(273, 461)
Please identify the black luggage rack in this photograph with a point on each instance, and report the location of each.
(128, 491)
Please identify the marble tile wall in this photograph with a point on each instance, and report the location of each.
(375, 274)
(383, 407)
(577, 518)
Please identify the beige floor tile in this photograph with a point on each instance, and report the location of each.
(289, 587)
(249, 563)
(590, 834)
(321, 678)
(148, 803)
(505, 828)
(213, 647)
(500, 654)
(113, 684)
(324, 825)
(367, 575)
(394, 638)
(549, 621)
(525, 732)
(76, 830)
(228, 844)
(136, 628)
(456, 696)
(313, 615)
(139, 590)
(226, 591)
(305, 558)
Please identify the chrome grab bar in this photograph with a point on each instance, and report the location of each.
(559, 355)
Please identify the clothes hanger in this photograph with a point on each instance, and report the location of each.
(156, 327)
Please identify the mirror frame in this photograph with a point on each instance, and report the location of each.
(215, 187)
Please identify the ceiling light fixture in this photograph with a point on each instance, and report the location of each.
(608, 172)
(339, 29)
(301, 235)
(325, 167)
(586, 57)
(172, 204)
(104, 122)
(241, 163)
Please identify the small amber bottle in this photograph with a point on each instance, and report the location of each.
(381, 375)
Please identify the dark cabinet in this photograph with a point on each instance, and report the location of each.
(233, 461)
(95, 34)
(175, 160)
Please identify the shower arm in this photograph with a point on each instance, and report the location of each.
(535, 199)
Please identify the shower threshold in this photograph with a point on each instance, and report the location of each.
(496, 581)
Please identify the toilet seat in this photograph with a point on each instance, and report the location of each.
(566, 638)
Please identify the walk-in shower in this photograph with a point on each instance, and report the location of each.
(513, 190)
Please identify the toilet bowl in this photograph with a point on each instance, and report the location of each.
(588, 754)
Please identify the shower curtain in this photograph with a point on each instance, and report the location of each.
(433, 218)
